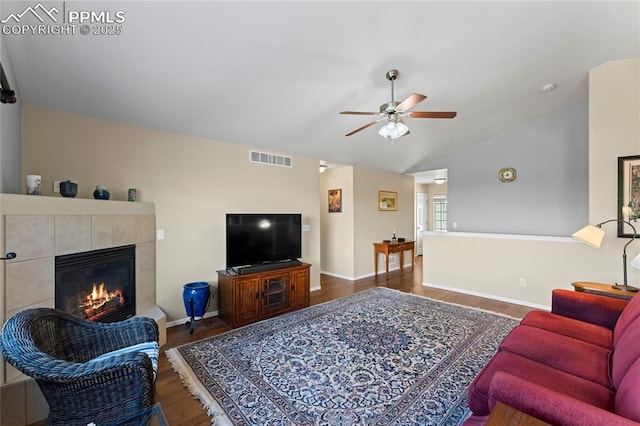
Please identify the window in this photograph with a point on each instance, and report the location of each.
(439, 213)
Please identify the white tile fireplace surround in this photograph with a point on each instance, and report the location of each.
(38, 228)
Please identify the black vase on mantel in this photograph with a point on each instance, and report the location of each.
(68, 189)
(101, 193)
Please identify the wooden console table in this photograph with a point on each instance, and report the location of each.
(602, 289)
(386, 248)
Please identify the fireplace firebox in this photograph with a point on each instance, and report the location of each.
(97, 285)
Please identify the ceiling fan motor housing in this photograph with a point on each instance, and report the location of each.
(389, 107)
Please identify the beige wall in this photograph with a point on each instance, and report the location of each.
(492, 265)
(370, 224)
(614, 131)
(337, 251)
(192, 181)
(348, 237)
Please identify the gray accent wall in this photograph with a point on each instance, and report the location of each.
(550, 193)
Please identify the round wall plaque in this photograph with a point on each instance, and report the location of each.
(508, 174)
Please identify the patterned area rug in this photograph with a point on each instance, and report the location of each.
(379, 357)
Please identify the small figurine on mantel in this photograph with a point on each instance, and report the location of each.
(394, 239)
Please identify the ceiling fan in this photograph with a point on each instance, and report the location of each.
(393, 112)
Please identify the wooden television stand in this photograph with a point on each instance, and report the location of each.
(247, 298)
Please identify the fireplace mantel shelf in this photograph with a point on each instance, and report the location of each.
(32, 204)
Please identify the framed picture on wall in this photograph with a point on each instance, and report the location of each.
(628, 193)
(335, 200)
(387, 201)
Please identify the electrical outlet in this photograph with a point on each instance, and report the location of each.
(56, 186)
(523, 282)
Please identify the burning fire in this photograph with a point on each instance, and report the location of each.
(101, 300)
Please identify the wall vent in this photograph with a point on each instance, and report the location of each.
(271, 159)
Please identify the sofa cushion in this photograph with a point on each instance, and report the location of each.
(587, 332)
(561, 353)
(560, 381)
(628, 316)
(626, 352)
(545, 404)
(627, 395)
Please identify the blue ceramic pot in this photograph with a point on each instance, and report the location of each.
(198, 292)
(101, 193)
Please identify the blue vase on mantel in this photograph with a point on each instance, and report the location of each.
(101, 193)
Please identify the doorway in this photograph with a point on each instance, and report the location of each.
(422, 212)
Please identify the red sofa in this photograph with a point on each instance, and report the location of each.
(576, 365)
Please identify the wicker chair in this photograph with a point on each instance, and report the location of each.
(58, 351)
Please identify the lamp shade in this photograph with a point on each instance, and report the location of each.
(590, 235)
(636, 262)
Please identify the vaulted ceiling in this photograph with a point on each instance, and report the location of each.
(275, 75)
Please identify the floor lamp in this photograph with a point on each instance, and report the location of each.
(593, 235)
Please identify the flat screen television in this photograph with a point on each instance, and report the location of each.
(259, 238)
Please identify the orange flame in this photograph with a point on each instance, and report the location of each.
(100, 298)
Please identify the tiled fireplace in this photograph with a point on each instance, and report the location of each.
(97, 285)
(40, 229)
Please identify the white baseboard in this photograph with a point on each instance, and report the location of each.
(183, 321)
(370, 274)
(488, 296)
(331, 274)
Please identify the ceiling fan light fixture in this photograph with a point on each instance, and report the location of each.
(393, 130)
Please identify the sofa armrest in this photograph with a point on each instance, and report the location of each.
(548, 405)
(591, 308)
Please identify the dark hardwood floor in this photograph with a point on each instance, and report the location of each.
(181, 408)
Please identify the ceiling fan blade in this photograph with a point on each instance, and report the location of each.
(432, 114)
(359, 113)
(362, 128)
(413, 100)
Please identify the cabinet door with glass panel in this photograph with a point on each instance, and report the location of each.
(275, 293)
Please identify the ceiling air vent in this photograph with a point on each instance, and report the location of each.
(271, 159)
